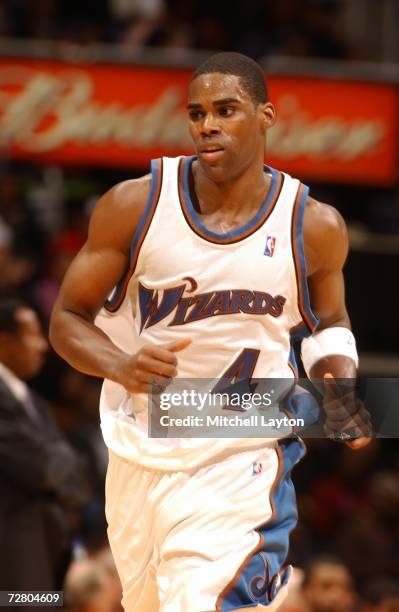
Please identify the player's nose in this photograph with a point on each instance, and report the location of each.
(210, 125)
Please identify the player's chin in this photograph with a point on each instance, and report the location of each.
(217, 172)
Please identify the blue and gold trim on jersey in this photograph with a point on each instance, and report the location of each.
(297, 333)
(257, 579)
(118, 295)
(293, 363)
(193, 218)
(308, 316)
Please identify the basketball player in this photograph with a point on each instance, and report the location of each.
(217, 262)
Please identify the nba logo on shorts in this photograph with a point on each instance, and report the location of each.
(270, 245)
(257, 467)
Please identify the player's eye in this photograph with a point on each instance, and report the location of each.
(226, 111)
(195, 115)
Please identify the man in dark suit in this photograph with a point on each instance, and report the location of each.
(40, 476)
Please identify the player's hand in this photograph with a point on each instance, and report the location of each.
(347, 419)
(151, 368)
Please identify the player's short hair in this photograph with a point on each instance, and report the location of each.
(8, 314)
(249, 72)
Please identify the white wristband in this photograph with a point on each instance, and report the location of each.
(330, 341)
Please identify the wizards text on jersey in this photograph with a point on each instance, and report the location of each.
(203, 305)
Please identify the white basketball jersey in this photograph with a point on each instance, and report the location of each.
(240, 296)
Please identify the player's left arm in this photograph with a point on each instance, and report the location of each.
(331, 354)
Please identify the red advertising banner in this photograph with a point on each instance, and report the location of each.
(122, 116)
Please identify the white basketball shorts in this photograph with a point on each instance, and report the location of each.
(211, 539)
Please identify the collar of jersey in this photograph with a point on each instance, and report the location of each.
(194, 219)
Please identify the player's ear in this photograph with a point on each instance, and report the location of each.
(267, 114)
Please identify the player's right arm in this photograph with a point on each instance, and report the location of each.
(89, 280)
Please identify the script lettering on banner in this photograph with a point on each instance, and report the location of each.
(123, 116)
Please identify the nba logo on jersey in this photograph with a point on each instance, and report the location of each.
(270, 246)
(257, 467)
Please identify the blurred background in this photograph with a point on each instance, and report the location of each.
(89, 93)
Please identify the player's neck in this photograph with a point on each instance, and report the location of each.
(231, 195)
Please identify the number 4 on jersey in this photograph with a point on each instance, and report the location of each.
(238, 376)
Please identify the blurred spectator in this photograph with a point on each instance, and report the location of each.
(369, 541)
(89, 588)
(42, 20)
(18, 215)
(211, 33)
(15, 271)
(105, 559)
(41, 479)
(5, 253)
(339, 489)
(46, 199)
(327, 586)
(139, 20)
(127, 9)
(4, 20)
(78, 411)
(321, 31)
(294, 601)
(381, 595)
(61, 251)
(287, 35)
(293, 27)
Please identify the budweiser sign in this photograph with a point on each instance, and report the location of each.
(46, 112)
(107, 115)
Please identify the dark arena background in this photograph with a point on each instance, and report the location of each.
(89, 93)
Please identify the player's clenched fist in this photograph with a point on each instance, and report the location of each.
(151, 367)
(346, 416)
